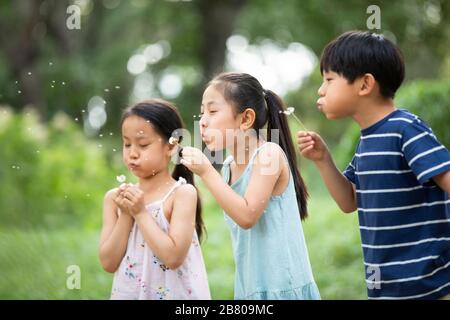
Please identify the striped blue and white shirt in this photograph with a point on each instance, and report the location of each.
(404, 216)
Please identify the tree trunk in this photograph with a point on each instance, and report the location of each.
(218, 18)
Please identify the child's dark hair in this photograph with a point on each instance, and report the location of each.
(165, 119)
(356, 53)
(244, 91)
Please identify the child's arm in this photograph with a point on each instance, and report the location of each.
(172, 247)
(246, 210)
(443, 181)
(312, 147)
(115, 232)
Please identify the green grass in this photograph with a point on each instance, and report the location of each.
(33, 263)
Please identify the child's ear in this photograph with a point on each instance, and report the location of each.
(247, 119)
(367, 84)
(171, 149)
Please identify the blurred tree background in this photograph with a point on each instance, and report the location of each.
(62, 91)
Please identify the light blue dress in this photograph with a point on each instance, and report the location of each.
(271, 257)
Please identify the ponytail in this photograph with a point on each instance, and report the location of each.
(183, 172)
(278, 120)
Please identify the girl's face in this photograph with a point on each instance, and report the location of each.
(145, 152)
(218, 123)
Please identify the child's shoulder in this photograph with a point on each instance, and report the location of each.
(270, 150)
(185, 191)
(403, 120)
(269, 154)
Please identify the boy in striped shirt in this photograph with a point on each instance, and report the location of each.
(399, 177)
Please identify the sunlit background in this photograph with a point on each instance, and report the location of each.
(62, 92)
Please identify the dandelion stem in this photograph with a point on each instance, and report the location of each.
(299, 121)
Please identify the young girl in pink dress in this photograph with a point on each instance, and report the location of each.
(151, 230)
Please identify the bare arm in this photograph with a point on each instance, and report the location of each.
(314, 148)
(172, 247)
(246, 210)
(443, 181)
(114, 235)
(342, 190)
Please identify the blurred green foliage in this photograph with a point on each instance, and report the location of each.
(430, 100)
(52, 176)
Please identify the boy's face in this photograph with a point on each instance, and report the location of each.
(337, 97)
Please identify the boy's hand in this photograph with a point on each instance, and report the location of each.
(312, 146)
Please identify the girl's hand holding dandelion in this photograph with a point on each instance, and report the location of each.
(196, 161)
(129, 198)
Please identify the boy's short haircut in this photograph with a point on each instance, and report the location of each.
(356, 53)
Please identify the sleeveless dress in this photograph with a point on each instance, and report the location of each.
(271, 257)
(141, 275)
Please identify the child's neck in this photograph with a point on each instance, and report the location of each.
(372, 111)
(242, 152)
(153, 183)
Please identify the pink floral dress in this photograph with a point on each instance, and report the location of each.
(141, 275)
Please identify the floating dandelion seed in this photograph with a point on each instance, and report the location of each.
(100, 146)
(76, 119)
(50, 63)
(106, 90)
(121, 178)
(63, 83)
(52, 86)
(29, 73)
(110, 133)
(83, 111)
(117, 87)
(19, 92)
(17, 82)
(100, 135)
(114, 150)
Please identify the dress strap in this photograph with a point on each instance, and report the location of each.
(255, 153)
(180, 182)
